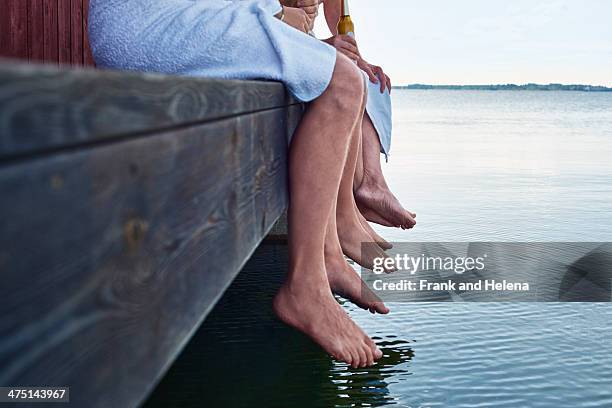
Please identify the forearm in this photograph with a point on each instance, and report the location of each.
(332, 9)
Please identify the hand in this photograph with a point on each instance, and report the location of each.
(346, 45)
(376, 75)
(311, 7)
(297, 18)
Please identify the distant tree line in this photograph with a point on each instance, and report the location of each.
(511, 87)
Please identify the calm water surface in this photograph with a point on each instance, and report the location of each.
(475, 166)
(503, 166)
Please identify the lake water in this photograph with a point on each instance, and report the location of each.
(475, 166)
(503, 166)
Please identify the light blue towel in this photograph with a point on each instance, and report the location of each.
(238, 39)
(379, 109)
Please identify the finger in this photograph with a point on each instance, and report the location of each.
(349, 54)
(381, 76)
(310, 10)
(348, 39)
(306, 24)
(349, 47)
(371, 74)
(383, 82)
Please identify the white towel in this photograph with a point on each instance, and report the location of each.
(212, 38)
(379, 110)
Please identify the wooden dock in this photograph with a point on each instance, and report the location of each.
(129, 203)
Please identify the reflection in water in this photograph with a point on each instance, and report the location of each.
(243, 356)
(368, 387)
(547, 355)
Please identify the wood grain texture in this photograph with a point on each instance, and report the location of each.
(113, 254)
(35, 30)
(76, 32)
(64, 31)
(45, 30)
(48, 108)
(50, 40)
(18, 28)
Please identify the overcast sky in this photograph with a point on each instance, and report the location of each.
(486, 41)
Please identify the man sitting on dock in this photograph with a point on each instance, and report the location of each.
(262, 39)
(372, 194)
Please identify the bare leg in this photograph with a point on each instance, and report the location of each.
(343, 279)
(351, 232)
(372, 194)
(316, 161)
(359, 172)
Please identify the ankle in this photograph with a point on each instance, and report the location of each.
(334, 258)
(374, 183)
(299, 283)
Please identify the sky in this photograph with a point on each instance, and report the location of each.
(486, 41)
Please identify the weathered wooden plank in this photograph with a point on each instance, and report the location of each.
(76, 32)
(35, 30)
(63, 31)
(87, 55)
(50, 44)
(113, 254)
(45, 108)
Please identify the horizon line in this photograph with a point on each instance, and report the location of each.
(505, 84)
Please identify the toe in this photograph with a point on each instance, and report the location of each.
(381, 308)
(386, 245)
(363, 356)
(408, 219)
(347, 357)
(343, 354)
(377, 353)
(369, 355)
(355, 359)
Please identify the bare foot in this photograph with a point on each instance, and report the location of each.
(315, 312)
(382, 243)
(373, 216)
(354, 240)
(379, 205)
(344, 281)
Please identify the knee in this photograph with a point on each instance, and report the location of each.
(347, 88)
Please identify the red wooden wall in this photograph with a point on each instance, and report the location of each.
(45, 30)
